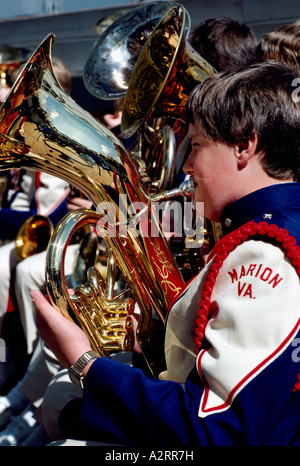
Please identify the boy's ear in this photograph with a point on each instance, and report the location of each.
(244, 150)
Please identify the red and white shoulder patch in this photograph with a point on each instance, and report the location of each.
(253, 299)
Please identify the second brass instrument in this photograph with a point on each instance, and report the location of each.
(167, 69)
(113, 57)
(33, 236)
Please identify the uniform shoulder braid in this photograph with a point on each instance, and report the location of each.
(224, 247)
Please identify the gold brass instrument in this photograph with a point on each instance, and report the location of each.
(113, 57)
(160, 168)
(167, 69)
(107, 72)
(104, 317)
(43, 129)
(33, 236)
(154, 153)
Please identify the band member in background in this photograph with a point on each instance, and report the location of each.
(282, 44)
(224, 42)
(27, 193)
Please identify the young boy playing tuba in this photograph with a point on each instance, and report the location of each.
(233, 337)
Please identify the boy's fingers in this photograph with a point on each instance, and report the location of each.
(39, 300)
(43, 305)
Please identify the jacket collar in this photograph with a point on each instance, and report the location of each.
(260, 205)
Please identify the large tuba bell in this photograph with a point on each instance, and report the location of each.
(167, 69)
(42, 128)
(112, 59)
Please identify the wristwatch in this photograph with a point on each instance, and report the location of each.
(75, 371)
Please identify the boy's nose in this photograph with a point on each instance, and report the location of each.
(188, 166)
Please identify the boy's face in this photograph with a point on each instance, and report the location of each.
(212, 166)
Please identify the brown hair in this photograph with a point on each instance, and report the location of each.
(282, 44)
(224, 42)
(231, 106)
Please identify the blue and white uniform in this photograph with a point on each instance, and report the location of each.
(31, 192)
(28, 193)
(241, 385)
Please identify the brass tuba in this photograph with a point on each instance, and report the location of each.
(107, 73)
(113, 57)
(167, 69)
(43, 129)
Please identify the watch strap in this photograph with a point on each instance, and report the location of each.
(75, 371)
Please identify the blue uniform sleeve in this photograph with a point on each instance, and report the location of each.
(121, 405)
